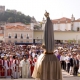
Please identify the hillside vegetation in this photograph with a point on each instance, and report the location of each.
(9, 16)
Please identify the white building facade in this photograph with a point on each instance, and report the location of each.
(65, 24)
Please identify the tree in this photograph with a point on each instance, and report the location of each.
(10, 16)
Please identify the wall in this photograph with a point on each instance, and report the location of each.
(18, 32)
(62, 26)
(60, 35)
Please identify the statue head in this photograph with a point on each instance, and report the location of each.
(46, 14)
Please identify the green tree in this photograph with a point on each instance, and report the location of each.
(10, 16)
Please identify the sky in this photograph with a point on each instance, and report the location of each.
(56, 8)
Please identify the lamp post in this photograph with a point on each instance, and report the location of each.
(76, 39)
(41, 38)
(37, 39)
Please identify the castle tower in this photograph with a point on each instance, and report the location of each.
(2, 9)
(72, 18)
(72, 22)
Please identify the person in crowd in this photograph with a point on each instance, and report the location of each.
(71, 64)
(15, 67)
(20, 66)
(0, 65)
(76, 66)
(35, 58)
(67, 59)
(79, 64)
(25, 66)
(6, 66)
(3, 71)
(9, 50)
(32, 63)
(59, 55)
(62, 60)
(9, 64)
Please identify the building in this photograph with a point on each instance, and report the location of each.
(65, 24)
(2, 9)
(1, 37)
(18, 33)
(65, 30)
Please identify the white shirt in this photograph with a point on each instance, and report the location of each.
(33, 55)
(22, 62)
(6, 65)
(22, 52)
(62, 58)
(17, 54)
(67, 58)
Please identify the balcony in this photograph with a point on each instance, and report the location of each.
(36, 27)
(38, 40)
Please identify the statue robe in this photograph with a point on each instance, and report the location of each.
(47, 67)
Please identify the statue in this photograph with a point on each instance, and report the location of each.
(48, 66)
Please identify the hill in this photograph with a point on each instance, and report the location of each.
(10, 16)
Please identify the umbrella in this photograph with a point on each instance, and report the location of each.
(48, 35)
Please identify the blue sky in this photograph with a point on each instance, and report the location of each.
(36, 8)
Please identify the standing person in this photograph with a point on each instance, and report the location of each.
(0, 66)
(62, 60)
(15, 67)
(59, 55)
(20, 66)
(25, 66)
(35, 59)
(79, 64)
(76, 66)
(67, 59)
(3, 70)
(9, 71)
(6, 66)
(71, 65)
(32, 63)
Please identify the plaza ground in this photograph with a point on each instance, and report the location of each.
(66, 76)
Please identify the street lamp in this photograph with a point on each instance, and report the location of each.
(37, 39)
(76, 39)
(41, 38)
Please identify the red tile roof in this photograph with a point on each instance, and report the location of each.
(1, 34)
(61, 20)
(78, 20)
(18, 27)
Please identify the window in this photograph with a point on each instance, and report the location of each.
(21, 36)
(21, 41)
(9, 35)
(27, 36)
(77, 28)
(15, 35)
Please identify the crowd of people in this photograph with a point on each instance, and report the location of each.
(18, 61)
(69, 56)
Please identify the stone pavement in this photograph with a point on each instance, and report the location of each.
(66, 76)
